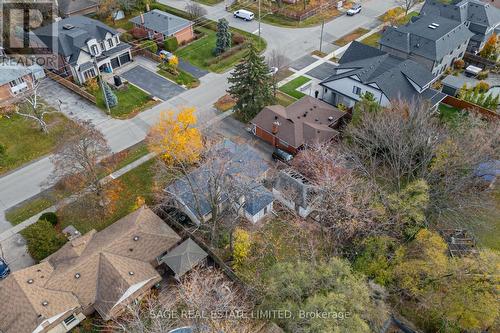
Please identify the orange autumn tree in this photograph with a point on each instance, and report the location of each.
(175, 137)
(490, 49)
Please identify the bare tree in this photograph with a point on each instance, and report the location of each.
(278, 59)
(195, 10)
(407, 4)
(31, 107)
(204, 300)
(78, 157)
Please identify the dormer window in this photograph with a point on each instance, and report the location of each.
(94, 50)
(117, 41)
(110, 42)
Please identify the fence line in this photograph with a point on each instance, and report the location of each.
(461, 104)
(71, 86)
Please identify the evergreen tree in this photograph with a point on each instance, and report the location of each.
(109, 95)
(494, 103)
(223, 37)
(251, 85)
(488, 100)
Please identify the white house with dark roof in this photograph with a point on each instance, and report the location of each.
(481, 17)
(363, 69)
(430, 40)
(84, 45)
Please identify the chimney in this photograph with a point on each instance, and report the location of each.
(276, 126)
(142, 18)
(147, 7)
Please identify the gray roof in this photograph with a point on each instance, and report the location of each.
(11, 71)
(68, 7)
(480, 14)
(418, 38)
(163, 22)
(295, 187)
(257, 200)
(391, 74)
(69, 43)
(184, 257)
(241, 161)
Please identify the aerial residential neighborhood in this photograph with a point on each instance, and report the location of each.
(181, 166)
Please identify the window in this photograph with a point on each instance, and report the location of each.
(89, 74)
(16, 82)
(110, 42)
(116, 40)
(94, 50)
(356, 90)
(102, 46)
(68, 321)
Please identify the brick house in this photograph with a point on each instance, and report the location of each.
(16, 79)
(161, 25)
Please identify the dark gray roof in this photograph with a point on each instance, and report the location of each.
(117, 49)
(11, 71)
(418, 38)
(295, 187)
(479, 14)
(70, 42)
(184, 257)
(257, 200)
(163, 22)
(241, 161)
(68, 7)
(391, 74)
(85, 66)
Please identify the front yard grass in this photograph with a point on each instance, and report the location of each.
(24, 141)
(291, 87)
(131, 101)
(353, 35)
(209, 2)
(183, 78)
(284, 99)
(373, 39)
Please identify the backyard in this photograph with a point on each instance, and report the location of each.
(290, 88)
(23, 140)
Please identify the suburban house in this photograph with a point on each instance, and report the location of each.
(83, 45)
(237, 170)
(16, 79)
(295, 192)
(363, 69)
(76, 7)
(482, 17)
(432, 41)
(305, 122)
(161, 25)
(98, 271)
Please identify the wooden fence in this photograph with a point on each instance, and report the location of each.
(302, 15)
(147, 54)
(71, 86)
(461, 104)
(478, 61)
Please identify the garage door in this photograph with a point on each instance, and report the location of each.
(124, 58)
(115, 63)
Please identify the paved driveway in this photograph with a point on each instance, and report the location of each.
(153, 83)
(193, 70)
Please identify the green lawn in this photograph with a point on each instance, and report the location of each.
(449, 114)
(24, 141)
(183, 78)
(209, 2)
(291, 87)
(353, 35)
(130, 102)
(407, 18)
(373, 39)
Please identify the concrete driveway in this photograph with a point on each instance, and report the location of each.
(153, 83)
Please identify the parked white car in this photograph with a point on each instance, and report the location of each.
(244, 14)
(355, 9)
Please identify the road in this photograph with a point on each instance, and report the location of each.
(28, 181)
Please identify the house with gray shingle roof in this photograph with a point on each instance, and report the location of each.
(363, 69)
(161, 25)
(83, 46)
(16, 79)
(76, 7)
(230, 178)
(482, 17)
(430, 40)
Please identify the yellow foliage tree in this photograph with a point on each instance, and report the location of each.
(173, 61)
(241, 248)
(175, 137)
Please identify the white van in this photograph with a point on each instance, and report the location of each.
(244, 14)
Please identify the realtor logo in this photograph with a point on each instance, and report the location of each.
(19, 18)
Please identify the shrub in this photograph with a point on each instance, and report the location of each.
(150, 46)
(238, 39)
(3, 152)
(50, 217)
(171, 44)
(448, 71)
(42, 239)
(92, 86)
(482, 87)
(459, 64)
(126, 37)
(139, 33)
(483, 75)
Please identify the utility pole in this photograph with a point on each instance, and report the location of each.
(321, 38)
(259, 21)
(108, 111)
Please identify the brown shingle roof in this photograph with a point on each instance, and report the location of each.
(90, 270)
(306, 121)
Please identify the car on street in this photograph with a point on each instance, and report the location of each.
(281, 155)
(4, 269)
(244, 14)
(355, 9)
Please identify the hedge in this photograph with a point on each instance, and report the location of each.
(42, 239)
(49, 216)
(170, 44)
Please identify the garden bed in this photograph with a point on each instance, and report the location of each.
(353, 35)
